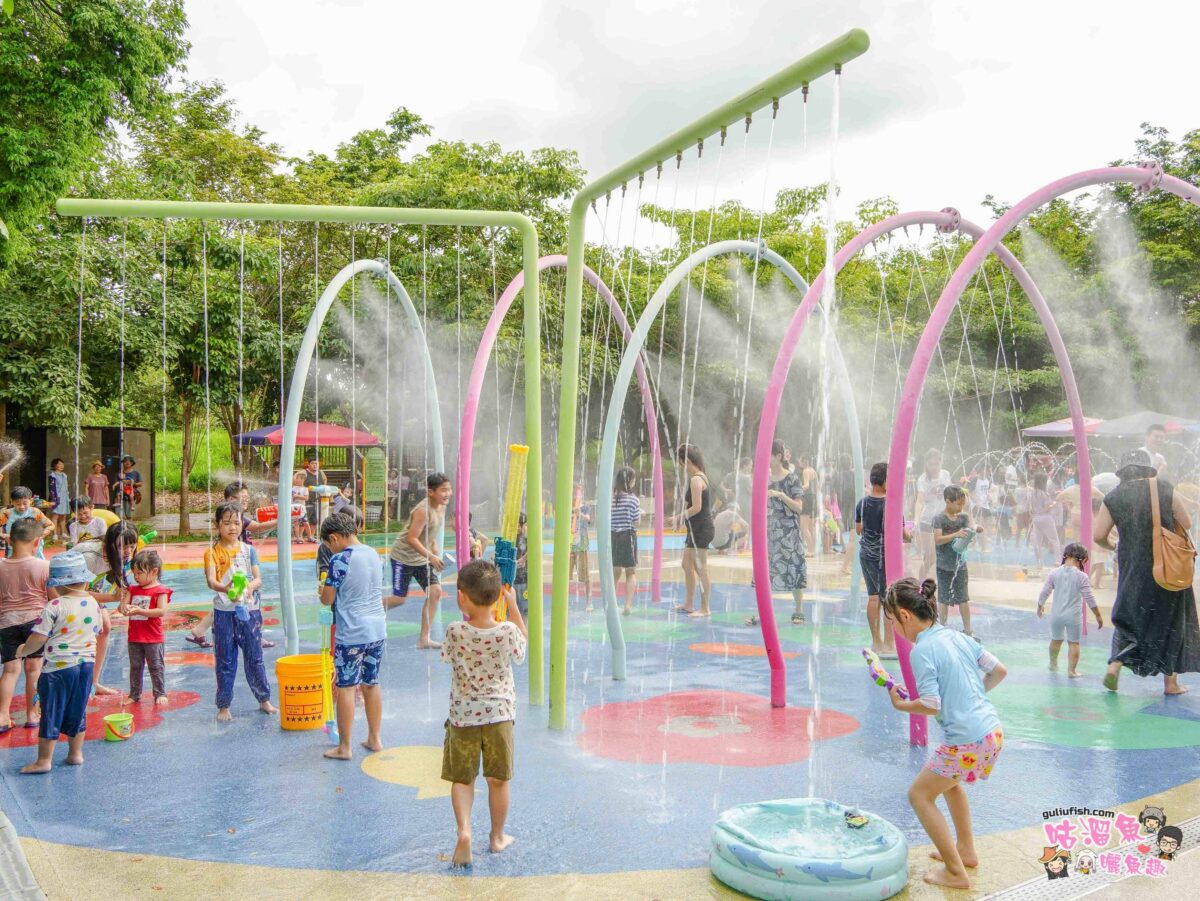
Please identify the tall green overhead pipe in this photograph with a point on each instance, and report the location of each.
(831, 57)
(294, 212)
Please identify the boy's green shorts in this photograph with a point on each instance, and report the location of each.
(464, 746)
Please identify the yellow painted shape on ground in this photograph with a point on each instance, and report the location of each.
(417, 766)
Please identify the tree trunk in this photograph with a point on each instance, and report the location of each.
(185, 468)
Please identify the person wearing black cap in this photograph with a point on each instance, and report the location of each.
(1155, 630)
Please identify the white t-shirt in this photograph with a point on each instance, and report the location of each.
(95, 528)
(931, 493)
(983, 488)
(482, 689)
(1160, 462)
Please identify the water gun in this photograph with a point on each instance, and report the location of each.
(325, 621)
(880, 676)
(266, 514)
(506, 542)
(238, 583)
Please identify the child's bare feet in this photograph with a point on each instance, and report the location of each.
(462, 851)
(267, 707)
(161, 701)
(970, 859)
(105, 690)
(499, 844)
(1073, 675)
(35, 769)
(941, 876)
(428, 644)
(373, 744)
(74, 759)
(224, 716)
(339, 753)
(126, 701)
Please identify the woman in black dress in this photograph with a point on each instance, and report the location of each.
(698, 519)
(1156, 630)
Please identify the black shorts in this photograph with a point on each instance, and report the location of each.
(624, 549)
(699, 534)
(403, 574)
(952, 587)
(12, 637)
(808, 504)
(874, 574)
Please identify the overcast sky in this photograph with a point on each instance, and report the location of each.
(954, 100)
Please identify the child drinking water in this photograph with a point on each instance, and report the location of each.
(626, 514)
(483, 699)
(352, 588)
(145, 605)
(234, 629)
(952, 528)
(1071, 587)
(953, 674)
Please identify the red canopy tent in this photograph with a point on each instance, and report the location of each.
(1061, 428)
(309, 434)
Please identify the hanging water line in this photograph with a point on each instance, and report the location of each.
(79, 352)
(608, 447)
(163, 452)
(241, 404)
(207, 375)
(121, 349)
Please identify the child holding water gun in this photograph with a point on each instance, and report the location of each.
(1071, 588)
(235, 629)
(953, 674)
(952, 531)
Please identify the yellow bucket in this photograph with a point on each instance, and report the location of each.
(118, 726)
(300, 690)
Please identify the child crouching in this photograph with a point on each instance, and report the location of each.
(73, 618)
(483, 699)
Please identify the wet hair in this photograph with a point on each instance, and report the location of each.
(233, 489)
(778, 448)
(146, 560)
(625, 480)
(124, 534)
(338, 524)
(55, 462)
(82, 502)
(953, 494)
(1039, 481)
(480, 581)
(224, 509)
(26, 529)
(919, 600)
(436, 480)
(1075, 551)
(689, 453)
(21, 493)
(1155, 813)
(878, 474)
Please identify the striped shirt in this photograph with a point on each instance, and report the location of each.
(626, 512)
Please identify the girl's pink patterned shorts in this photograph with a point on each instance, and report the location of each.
(967, 763)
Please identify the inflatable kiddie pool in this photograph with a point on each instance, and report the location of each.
(808, 848)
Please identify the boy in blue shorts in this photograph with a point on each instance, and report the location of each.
(73, 618)
(354, 589)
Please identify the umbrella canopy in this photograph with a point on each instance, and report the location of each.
(1135, 424)
(1060, 428)
(309, 434)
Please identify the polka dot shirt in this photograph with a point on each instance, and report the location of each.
(70, 624)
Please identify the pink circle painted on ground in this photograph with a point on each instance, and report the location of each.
(715, 727)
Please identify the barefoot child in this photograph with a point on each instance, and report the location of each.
(417, 554)
(352, 588)
(868, 525)
(483, 698)
(1071, 588)
(73, 618)
(234, 629)
(145, 605)
(949, 525)
(60, 497)
(953, 674)
(625, 516)
(22, 598)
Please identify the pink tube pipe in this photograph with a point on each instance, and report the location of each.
(1146, 178)
(462, 487)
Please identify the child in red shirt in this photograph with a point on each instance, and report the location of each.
(146, 604)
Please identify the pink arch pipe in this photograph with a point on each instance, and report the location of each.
(946, 220)
(1146, 177)
(462, 486)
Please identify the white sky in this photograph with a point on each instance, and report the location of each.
(954, 100)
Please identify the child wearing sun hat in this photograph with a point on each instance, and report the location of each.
(66, 633)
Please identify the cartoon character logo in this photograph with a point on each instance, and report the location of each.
(1055, 860)
(1169, 840)
(1152, 819)
(1085, 863)
(967, 760)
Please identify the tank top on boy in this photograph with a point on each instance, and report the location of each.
(149, 630)
(930, 490)
(228, 562)
(431, 535)
(22, 590)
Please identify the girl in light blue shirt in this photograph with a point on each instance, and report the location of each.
(953, 674)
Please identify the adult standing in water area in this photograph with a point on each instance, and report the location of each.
(697, 517)
(1156, 630)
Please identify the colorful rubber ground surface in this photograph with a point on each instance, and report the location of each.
(631, 786)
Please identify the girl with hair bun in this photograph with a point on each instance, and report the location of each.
(953, 674)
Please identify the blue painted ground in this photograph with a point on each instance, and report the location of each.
(248, 792)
